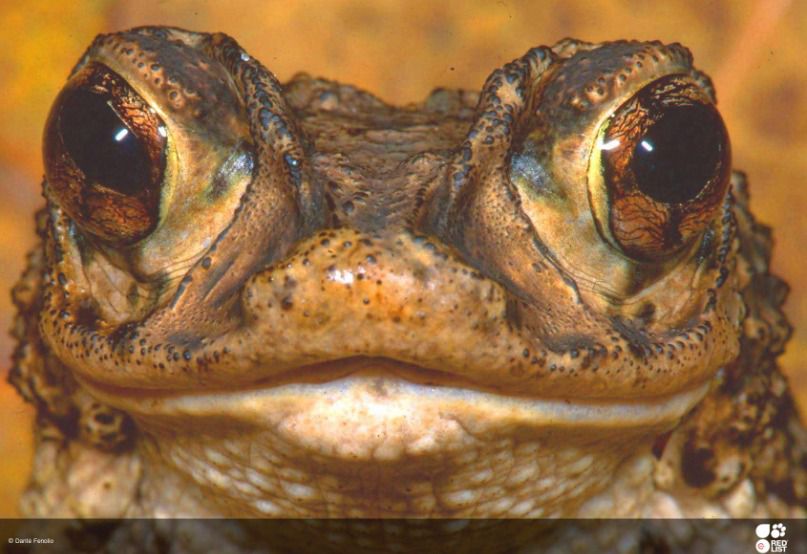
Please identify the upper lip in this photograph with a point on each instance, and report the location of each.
(410, 382)
(320, 372)
(376, 367)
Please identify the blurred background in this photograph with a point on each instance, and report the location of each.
(400, 50)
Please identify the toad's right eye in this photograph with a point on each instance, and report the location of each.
(664, 163)
(105, 156)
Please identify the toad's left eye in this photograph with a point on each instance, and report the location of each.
(663, 168)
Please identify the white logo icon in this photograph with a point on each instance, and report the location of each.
(776, 532)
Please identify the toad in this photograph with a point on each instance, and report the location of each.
(544, 299)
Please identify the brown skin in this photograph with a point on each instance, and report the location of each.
(328, 306)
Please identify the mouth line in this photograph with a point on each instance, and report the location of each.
(322, 373)
(334, 370)
(384, 380)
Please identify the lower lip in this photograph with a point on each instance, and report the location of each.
(365, 413)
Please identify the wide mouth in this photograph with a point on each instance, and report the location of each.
(381, 388)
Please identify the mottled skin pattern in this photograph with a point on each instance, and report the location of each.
(344, 308)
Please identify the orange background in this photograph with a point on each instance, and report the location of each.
(753, 49)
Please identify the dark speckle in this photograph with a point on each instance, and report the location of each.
(647, 312)
(696, 466)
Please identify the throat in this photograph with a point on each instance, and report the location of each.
(457, 469)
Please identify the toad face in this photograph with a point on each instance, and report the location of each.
(297, 300)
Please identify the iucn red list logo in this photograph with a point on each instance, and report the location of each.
(771, 538)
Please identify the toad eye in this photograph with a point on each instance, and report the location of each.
(664, 165)
(105, 156)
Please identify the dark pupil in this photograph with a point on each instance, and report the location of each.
(680, 153)
(101, 144)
